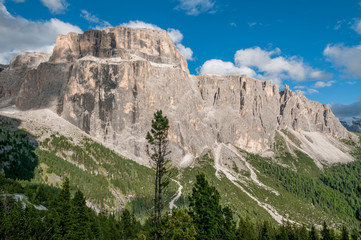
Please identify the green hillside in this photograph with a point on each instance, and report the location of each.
(111, 182)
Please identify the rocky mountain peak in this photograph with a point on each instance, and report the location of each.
(28, 60)
(120, 42)
(110, 82)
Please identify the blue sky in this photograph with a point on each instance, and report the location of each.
(313, 46)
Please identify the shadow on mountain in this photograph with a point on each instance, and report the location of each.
(17, 157)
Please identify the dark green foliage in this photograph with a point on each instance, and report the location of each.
(318, 192)
(210, 219)
(101, 170)
(178, 225)
(79, 218)
(246, 230)
(66, 217)
(313, 235)
(17, 157)
(128, 225)
(344, 234)
(326, 232)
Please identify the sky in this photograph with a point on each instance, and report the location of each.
(314, 46)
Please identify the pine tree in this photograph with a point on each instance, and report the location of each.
(229, 225)
(344, 234)
(205, 210)
(178, 225)
(158, 151)
(313, 235)
(326, 233)
(79, 218)
(62, 218)
(283, 233)
(128, 225)
(246, 230)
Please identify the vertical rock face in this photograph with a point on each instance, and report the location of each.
(110, 82)
(127, 43)
(12, 77)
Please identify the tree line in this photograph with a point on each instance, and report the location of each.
(66, 216)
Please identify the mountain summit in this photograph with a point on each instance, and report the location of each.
(110, 82)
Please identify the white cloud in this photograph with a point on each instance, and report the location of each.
(311, 91)
(322, 84)
(348, 58)
(219, 67)
(232, 24)
(19, 34)
(185, 51)
(195, 7)
(174, 34)
(351, 82)
(263, 64)
(300, 87)
(339, 24)
(305, 90)
(177, 38)
(272, 67)
(140, 24)
(92, 19)
(357, 26)
(19, 1)
(55, 6)
(317, 74)
(251, 24)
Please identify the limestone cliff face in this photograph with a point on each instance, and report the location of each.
(110, 82)
(126, 43)
(12, 77)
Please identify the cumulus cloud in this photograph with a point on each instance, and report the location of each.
(347, 110)
(262, 64)
(219, 67)
(19, 34)
(174, 34)
(185, 51)
(347, 58)
(55, 6)
(94, 20)
(195, 7)
(322, 84)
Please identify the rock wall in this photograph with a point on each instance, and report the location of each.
(110, 82)
(12, 77)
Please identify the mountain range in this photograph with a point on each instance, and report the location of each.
(87, 108)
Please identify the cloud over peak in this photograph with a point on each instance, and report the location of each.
(25, 35)
(263, 64)
(55, 6)
(195, 7)
(92, 19)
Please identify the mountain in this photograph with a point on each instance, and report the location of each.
(352, 125)
(2, 67)
(90, 104)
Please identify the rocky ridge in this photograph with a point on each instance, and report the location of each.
(110, 82)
